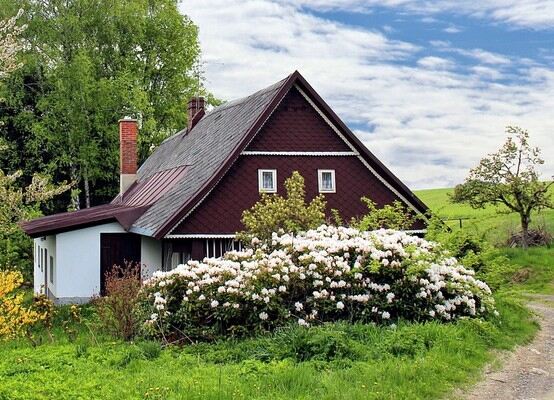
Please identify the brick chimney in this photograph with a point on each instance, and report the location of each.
(128, 132)
(195, 111)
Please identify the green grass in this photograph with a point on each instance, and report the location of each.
(336, 361)
(494, 226)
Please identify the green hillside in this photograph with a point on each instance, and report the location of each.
(495, 226)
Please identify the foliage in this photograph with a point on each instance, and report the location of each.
(510, 178)
(86, 64)
(291, 214)
(326, 274)
(116, 309)
(390, 216)
(16, 205)
(15, 318)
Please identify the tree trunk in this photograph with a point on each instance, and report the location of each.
(525, 230)
(75, 201)
(87, 191)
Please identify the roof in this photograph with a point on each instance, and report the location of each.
(205, 150)
(61, 222)
(188, 165)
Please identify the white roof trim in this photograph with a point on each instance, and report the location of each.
(301, 153)
(201, 236)
(354, 150)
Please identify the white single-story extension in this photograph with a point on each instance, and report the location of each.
(66, 265)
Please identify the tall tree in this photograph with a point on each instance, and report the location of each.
(509, 178)
(92, 62)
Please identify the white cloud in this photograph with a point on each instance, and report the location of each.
(433, 62)
(452, 29)
(535, 14)
(428, 122)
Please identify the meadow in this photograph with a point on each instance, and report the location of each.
(493, 223)
(332, 361)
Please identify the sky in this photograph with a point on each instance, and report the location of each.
(428, 86)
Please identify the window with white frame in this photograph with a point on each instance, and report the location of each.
(326, 180)
(267, 180)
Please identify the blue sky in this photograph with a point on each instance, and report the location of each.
(429, 86)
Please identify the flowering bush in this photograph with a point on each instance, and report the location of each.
(16, 319)
(326, 274)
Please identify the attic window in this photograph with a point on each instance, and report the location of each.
(326, 180)
(267, 180)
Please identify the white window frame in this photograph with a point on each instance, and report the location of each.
(261, 181)
(320, 173)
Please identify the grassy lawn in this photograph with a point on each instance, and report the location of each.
(493, 226)
(335, 361)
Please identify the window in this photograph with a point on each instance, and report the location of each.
(218, 247)
(41, 251)
(51, 269)
(45, 261)
(267, 180)
(326, 179)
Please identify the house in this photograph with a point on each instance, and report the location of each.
(186, 200)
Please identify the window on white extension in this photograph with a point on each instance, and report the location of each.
(326, 179)
(267, 180)
(218, 247)
(51, 269)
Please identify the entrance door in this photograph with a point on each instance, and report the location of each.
(117, 249)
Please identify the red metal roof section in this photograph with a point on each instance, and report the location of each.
(151, 189)
(61, 222)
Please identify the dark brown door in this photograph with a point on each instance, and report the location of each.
(117, 249)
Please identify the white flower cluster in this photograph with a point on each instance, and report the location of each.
(325, 274)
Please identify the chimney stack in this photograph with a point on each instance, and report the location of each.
(195, 111)
(128, 132)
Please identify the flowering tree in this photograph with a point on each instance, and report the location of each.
(10, 44)
(326, 274)
(18, 204)
(508, 178)
(290, 214)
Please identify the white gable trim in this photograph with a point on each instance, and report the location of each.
(335, 129)
(301, 153)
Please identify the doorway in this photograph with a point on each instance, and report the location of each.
(117, 249)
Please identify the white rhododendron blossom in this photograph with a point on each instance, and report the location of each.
(322, 275)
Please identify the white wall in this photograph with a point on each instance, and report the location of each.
(151, 256)
(78, 263)
(47, 243)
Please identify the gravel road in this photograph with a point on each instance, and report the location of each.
(528, 372)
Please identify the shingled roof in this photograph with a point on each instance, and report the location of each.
(188, 165)
(203, 151)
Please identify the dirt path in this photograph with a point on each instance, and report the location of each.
(528, 372)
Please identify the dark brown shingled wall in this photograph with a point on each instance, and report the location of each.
(296, 126)
(221, 211)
